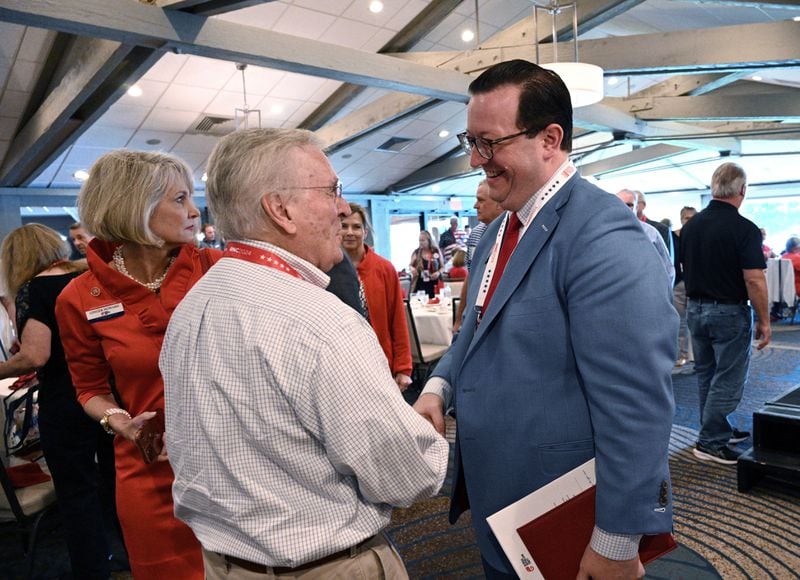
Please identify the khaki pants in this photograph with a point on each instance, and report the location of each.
(376, 559)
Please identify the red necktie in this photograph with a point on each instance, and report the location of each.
(510, 239)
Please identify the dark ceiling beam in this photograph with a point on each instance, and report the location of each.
(82, 77)
(403, 41)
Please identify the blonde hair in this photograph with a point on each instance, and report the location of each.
(243, 167)
(359, 209)
(459, 258)
(123, 189)
(30, 250)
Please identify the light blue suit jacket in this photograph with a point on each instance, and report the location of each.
(572, 360)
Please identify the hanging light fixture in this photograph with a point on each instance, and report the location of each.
(584, 81)
(242, 117)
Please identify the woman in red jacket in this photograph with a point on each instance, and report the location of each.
(382, 297)
(142, 262)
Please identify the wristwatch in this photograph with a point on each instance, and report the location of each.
(107, 414)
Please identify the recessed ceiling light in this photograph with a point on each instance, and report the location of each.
(612, 81)
(204, 178)
(135, 91)
(81, 175)
(153, 141)
(467, 35)
(376, 6)
(444, 133)
(436, 188)
(276, 109)
(757, 78)
(796, 18)
(347, 156)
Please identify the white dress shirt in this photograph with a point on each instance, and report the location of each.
(287, 434)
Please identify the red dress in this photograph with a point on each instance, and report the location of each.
(128, 344)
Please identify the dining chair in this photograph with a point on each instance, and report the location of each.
(423, 356)
(24, 509)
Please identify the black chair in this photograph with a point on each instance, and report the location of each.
(423, 356)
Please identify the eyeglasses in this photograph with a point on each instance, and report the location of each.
(335, 191)
(485, 147)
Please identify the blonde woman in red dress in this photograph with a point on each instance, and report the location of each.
(112, 320)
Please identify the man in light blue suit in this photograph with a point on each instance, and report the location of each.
(541, 375)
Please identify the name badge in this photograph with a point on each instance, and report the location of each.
(105, 312)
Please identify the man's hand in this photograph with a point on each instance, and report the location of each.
(596, 567)
(763, 333)
(431, 407)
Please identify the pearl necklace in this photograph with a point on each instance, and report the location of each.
(153, 286)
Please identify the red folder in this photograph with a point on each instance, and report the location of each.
(558, 538)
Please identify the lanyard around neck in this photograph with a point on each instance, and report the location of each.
(259, 256)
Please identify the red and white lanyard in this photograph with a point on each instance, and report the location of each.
(260, 256)
(545, 193)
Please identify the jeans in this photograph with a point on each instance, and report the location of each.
(684, 338)
(721, 336)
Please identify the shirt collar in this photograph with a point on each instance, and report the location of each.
(546, 193)
(307, 270)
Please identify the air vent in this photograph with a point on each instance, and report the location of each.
(212, 125)
(395, 144)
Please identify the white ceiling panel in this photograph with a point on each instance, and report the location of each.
(35, 44)
(105, 137)
(259, 81)
(205, 73)
(202, 144)
(226, 102)
(169, 120)
(166, 68)
(302, 22)
(10, 39)
(294, 85)
(349, 33)
(84, 157)
(335, 7)
(186, 98)
(409, 9)
(261, 15)
(194, 159)
(151, 92)
(166, 140)
(359, 10)
(124, 115)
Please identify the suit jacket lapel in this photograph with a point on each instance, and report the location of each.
(521, 261)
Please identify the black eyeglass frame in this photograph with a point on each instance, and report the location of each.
(479, 143)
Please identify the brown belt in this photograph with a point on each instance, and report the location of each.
(264, 569)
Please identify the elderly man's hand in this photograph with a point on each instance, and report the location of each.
(431, 407)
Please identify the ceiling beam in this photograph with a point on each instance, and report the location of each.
(447, 168)
(134, 23)
(690, 85)
(757, 46)
(631, 159)
(372, 117)
(785, 107)
(411, 34)
(93, 61)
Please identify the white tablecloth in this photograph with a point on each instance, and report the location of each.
(434, 324)
(780, 281)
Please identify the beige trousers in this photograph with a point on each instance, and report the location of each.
(376, 560)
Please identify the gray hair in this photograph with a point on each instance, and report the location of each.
(728, 181)
(243, 167)
(792, 243)
(123, 189)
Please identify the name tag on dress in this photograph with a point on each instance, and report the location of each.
(105, 312)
